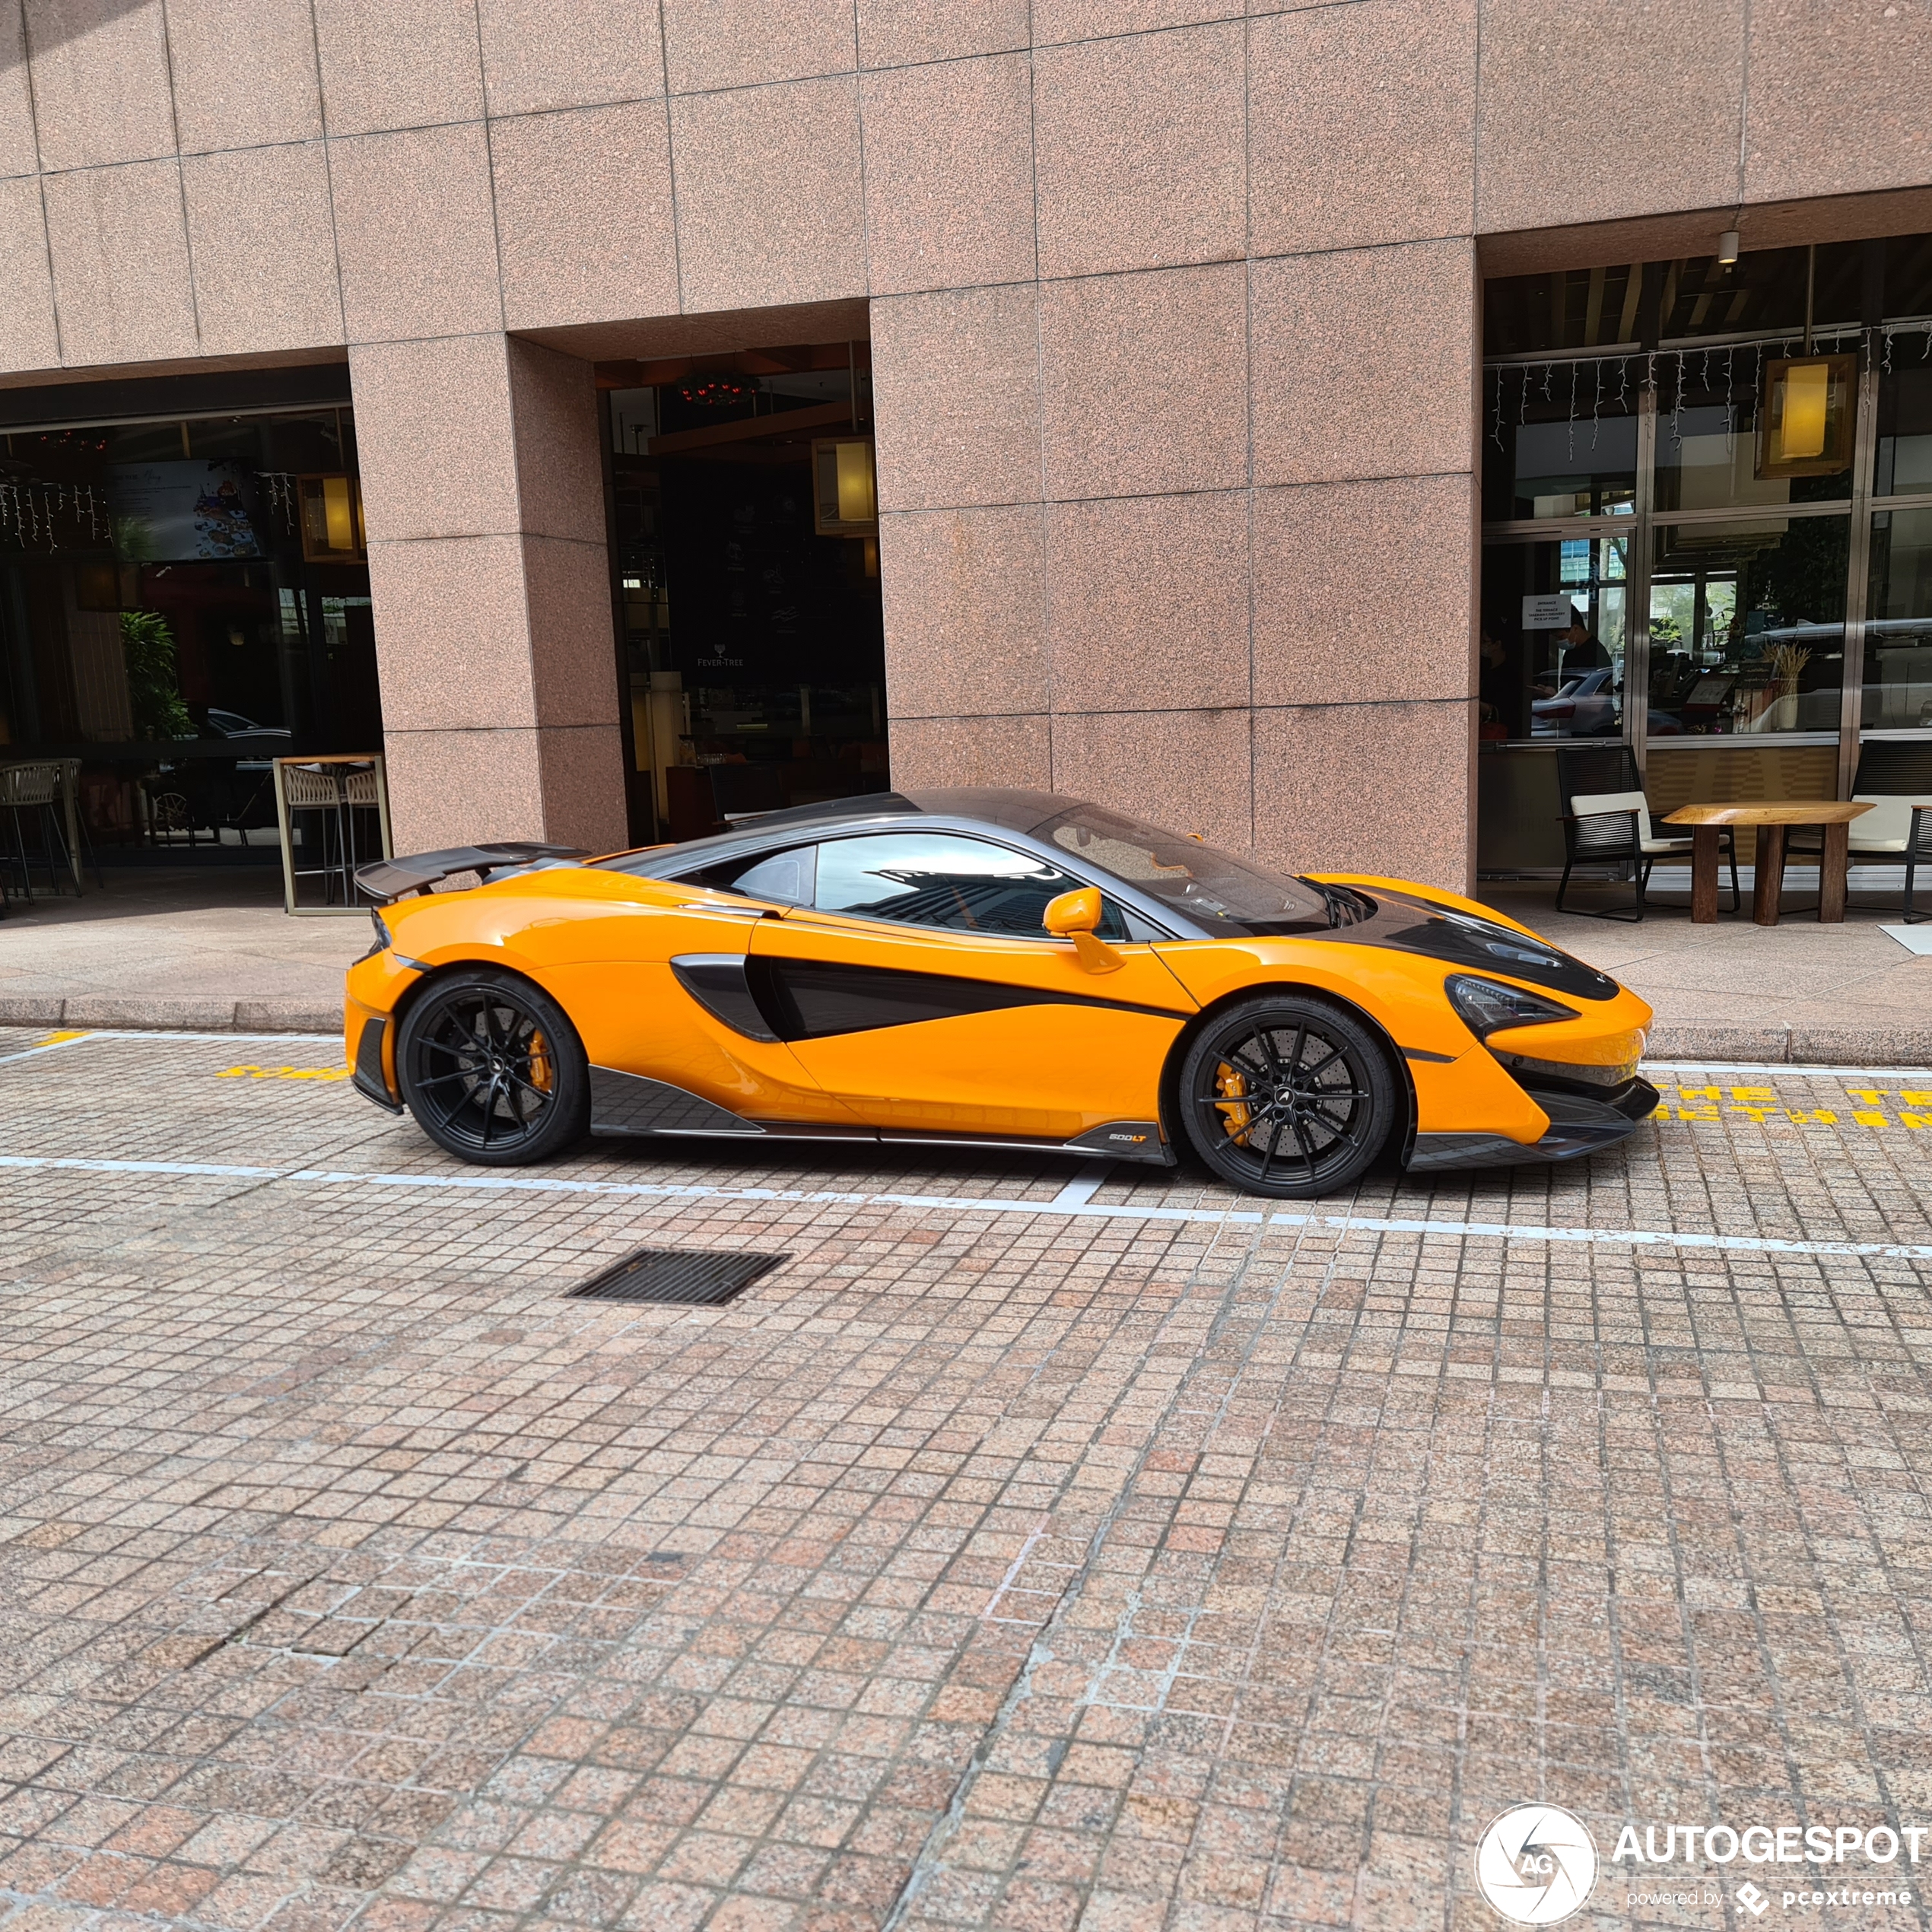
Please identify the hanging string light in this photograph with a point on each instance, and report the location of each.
(280, 487)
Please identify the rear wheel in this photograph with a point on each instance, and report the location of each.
(493, 1070)
(1288, 1096)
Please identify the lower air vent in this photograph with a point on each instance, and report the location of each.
(691, 1277)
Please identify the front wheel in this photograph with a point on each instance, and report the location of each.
(493, 1070)
(1288, 1096)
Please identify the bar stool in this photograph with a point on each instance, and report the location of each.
(313, 788)
(70, 769)
(35, 790)
(359, 794)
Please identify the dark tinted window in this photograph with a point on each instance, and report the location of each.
(945, 879)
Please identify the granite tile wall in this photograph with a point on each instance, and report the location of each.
(491, 587)
(1173, 311)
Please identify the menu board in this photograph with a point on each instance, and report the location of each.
(181, 512)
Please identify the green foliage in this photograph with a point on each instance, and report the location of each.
(147, 648)
(134, 539)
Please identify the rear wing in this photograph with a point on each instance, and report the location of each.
(385, 879)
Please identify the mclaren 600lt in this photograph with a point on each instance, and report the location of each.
(982, 969)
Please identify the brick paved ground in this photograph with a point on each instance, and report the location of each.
(1012, 1557)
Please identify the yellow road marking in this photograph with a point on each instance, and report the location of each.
(55, 1039)
(283, 1073)
(1760, 1103)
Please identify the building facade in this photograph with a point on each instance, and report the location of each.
(1167, 323)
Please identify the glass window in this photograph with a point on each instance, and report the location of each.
(1554, 628)
(1747, 626)
(1763, 289)
(785, 877)
(1560, 438)
(1197, 879)
(1905, 418)
(1898, 623)
(1568, 309)
(1908, 275)
(1708, 455)
(944, 878)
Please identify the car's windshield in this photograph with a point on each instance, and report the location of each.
(1198, 879)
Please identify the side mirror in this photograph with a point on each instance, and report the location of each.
(1073, 916)
(1073, 912)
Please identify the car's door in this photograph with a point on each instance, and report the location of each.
(652, 974)
(913, 978)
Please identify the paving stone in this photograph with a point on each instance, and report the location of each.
(998, 1562)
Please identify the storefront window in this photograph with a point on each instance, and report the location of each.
(1904, 465)
(1561, 438)
(1554, 625)
(164, 622)
(1766, 427)
(1764, 289)
(1747, 626)
(1710, 452)
(1898, 692)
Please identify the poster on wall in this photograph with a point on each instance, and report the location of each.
(181, 512)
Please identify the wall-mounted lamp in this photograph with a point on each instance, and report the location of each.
(1805, 423)
(331, 520)
(1727, 248)
(846, 500)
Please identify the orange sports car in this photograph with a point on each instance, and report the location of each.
(982, 969)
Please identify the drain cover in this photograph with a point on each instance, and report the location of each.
(696, 1276)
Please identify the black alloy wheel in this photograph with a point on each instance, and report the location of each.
(1287, 1095)
(493, 1070)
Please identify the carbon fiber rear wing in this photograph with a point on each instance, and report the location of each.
(385, 879)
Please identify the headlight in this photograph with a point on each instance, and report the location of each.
(1487, 1006)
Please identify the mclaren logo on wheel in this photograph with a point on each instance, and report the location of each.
(1536, 1864)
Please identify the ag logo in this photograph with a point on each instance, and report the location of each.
(1536, 1864)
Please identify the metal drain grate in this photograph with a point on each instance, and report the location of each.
(698, 1277)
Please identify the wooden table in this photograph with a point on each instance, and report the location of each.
(1772, 818)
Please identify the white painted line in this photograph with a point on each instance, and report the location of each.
(49, 1047)
(1792, 1069)
(1343, 1224)
(161, 1033)
(1914, 938)
(1085, 1185)
(190, 1167)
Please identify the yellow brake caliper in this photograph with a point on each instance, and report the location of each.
(1233, 1086)
(541, 1067)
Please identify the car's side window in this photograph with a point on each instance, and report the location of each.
(945, 879)
(784, 877)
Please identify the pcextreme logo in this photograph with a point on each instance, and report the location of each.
(1536, 1864)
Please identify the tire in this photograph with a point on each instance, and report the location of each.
(1327, 1100)
(492, 1069)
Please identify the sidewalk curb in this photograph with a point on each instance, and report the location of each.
(158, 1014)
(1883, 1045)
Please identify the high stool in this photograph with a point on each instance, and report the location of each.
(35, 791)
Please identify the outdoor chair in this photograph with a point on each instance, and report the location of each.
(1895, 778)
(33, 792)
(1612, 826)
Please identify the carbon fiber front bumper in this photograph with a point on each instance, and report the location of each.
(1580, 1122)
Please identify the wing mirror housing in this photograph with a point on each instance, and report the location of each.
(1073, 916)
